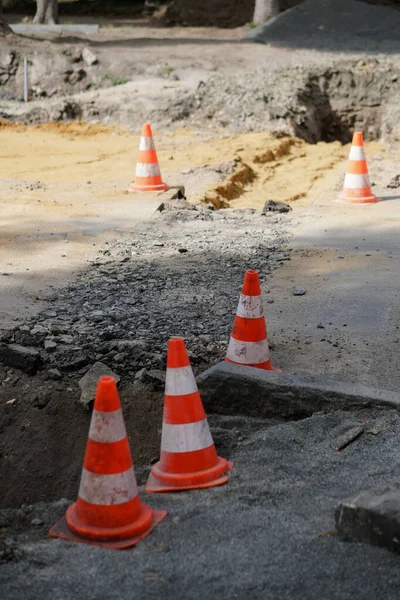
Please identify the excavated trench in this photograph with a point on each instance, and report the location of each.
(41, 460)
(317, 104)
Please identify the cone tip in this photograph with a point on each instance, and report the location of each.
(146, 130)
(107, 398)
(177, 353)
(358, 139)
(251, 275)
(251, 284)
(106, 380)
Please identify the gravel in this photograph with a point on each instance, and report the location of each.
(179, 274)
(268, 533)
(338, 25)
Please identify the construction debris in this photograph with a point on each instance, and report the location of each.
(88, 383)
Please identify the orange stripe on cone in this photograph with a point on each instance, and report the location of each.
(108, 511)
(147, 176)
(248, 345)
(356, 187)
(188, 458)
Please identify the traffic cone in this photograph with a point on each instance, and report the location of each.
(248, 345)
(148, 176)
(357, 188)
(188, 458)
(109, 512)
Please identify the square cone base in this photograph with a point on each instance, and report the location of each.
(162, 187)
(60, 530)
(343, 199)
(154, 486)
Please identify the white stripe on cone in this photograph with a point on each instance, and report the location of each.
(187, 437)
(354, 182)
(107, 427)
(180, 381)
(248, 353)
(146, 143)
(250, 307)
(357, 153)
(147, 170)
(107, 490)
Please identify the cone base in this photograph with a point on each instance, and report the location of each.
(351, 200)
(159, 481)
(61, 530)
(265, 366)
(161, 187)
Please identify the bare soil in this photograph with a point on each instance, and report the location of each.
(40, 459)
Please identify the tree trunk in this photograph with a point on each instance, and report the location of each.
(265, 10)
(47, 12)
(4, 28)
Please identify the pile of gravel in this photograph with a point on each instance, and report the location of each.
(334, 25)
(318, 103)
(179, 274)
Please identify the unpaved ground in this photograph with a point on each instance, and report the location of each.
(64, 191)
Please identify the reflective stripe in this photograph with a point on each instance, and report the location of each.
(248, 353)
(108, 489)
(107, 427)
(250, 307)
(186, 438)
(180, 381)
(147, 170)
(146, 143)
(357, 153)
(352, 182)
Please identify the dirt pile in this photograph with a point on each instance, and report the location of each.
(52, 72)
(314, 104)
(320, 103)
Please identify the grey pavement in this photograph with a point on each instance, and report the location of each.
(346, 326)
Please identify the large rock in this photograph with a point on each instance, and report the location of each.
(20, 357)
(233, 389)
(89, 381)
(373, 517)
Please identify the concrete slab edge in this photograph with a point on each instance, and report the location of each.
(372, 516)
(50, 29)
(232, 389)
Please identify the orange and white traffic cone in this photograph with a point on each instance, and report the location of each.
(248, 345)
(148, 176)
(188, 458)
(356, 187)
(108, 512)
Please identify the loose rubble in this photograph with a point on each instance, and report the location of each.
(178, 275)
